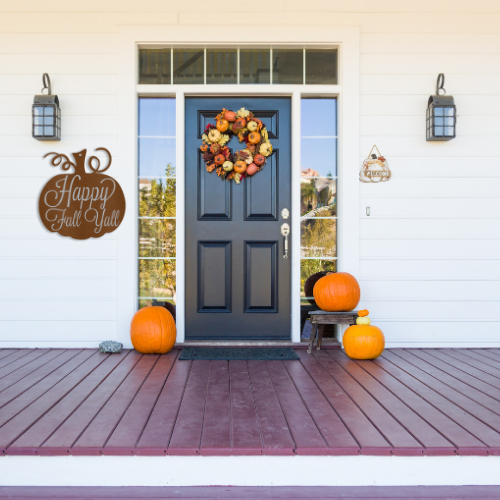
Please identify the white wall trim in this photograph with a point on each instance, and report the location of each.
(129, 38)
(249, 471)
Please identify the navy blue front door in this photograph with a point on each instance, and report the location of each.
(237, 279)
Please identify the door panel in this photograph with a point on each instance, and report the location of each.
(237, 281)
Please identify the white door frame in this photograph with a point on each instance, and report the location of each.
(130, 38)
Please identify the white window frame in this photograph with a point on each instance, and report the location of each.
(130, 39)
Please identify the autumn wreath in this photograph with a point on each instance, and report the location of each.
(250, 130)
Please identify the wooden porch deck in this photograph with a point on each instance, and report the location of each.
(408, 402)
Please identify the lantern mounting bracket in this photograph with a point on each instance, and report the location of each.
(440, 84)
(46, 84)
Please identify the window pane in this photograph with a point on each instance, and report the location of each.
(156, 237)
(188, 66)
(156, 157)
(321, 67)
(318, 117)
(157, 197)
(154, 66)
(222, 66)
(318, 157)
(157, 117)
(149, 302)
(157, 278)
(254, 66)
(318, 238)
(318, 197)
(309, 267)
(288, 66)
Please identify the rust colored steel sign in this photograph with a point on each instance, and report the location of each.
(79, 204)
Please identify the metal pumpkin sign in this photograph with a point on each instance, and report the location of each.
(79, 204)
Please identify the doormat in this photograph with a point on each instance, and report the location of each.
(239, 353)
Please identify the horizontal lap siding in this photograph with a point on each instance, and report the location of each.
(428, 250)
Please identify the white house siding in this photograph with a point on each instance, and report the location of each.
(430, 250)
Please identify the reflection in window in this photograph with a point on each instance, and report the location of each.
(321, 67)
(155, 66)
(288, 66)
(318, 192)
(222, 66)
(157, 198)
(189, 66)
(254, 66)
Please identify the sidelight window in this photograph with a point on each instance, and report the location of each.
(157, 211)
(318, 190)
(273, 65)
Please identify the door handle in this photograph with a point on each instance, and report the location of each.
(285, 231)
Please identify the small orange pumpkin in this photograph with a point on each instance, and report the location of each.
(363, 342)
(259, 159)
(252, 169)
(222, 125)
(219, 159)
(337, 292)
(240, 167)
(239, 124)
(230, 116)
(254, 138)
(152, 330)
(215, 148)
(363, 312)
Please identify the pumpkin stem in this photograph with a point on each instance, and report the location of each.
(80, 162)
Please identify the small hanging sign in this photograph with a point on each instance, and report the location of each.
(79, 204)
(374, 168)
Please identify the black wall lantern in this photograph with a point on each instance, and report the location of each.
(441, 114)
(46, 119)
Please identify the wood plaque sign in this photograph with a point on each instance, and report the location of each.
(79, 204)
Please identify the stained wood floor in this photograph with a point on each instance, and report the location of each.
(408, 402)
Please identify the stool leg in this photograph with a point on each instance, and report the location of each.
(320, 336)
(314, 329)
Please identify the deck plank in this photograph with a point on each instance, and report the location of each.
(159, 428)
(7, 352)
(40, 431)
(29, 368)
(246, 434)
(459, 427)
(336, 435)
(472, 361)
(276, 437)
(307, 438)
(478, 356)
(369, 439)
(15, 356)
(392, 430)
(456, 373)
(21, 362)
(186, 437)
(63, 438)
(465, 367)
(374, 382)
(489, 353)
(95, 436)
(216, 433)
(441, 377)
(11, 431)
(16, 401)
(129, 430)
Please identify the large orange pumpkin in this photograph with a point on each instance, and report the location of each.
(153, 330)
(363, 342)
(337, 292)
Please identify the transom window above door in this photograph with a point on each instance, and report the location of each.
(297, 66)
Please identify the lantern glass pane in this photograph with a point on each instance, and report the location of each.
(38, 120)
(49, 111)
(438, 111)
(450, 111)
(39, 131)
(38, 110)
(49, 131)
(48, 120)
(438, 131)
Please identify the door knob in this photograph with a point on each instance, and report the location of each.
(285, 231)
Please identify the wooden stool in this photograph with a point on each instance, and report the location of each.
(321, 318)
